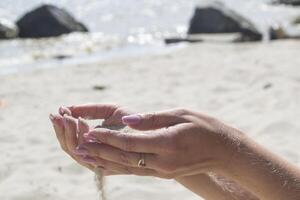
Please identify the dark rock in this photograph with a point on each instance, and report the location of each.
(48, 21)
(178, 40)
(277, 32)
(296, 21)
(8, 29)
(289, 2)
(61, 57)
(217, 18)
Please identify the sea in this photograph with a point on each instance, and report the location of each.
(120, 28)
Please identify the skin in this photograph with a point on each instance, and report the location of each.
(187, 146)
(207, 186)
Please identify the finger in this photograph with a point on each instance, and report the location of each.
(83, 128)
(64, 111)
(115, 155)
(59, 129)
(70, 132)
(120, 168)
(93, 111)
(155, 120)
(58, 125)
(139, 143)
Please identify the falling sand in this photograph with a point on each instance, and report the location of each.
(99, 178)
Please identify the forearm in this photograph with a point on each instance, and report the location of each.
(263, 173)
(212, 187)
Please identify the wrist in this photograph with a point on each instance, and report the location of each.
(233, 141)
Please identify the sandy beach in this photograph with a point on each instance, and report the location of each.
(255, 87)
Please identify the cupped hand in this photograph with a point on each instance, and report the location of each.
(173, 144)
(70, 127)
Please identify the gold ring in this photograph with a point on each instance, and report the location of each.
(142, 162)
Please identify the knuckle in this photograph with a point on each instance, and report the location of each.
(152, 119)
(181, 111)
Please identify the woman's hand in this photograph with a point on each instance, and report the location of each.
(69, 130)
(181, 143)
(70, 133)
(178, 144)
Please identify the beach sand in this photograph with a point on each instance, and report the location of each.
(255, 87)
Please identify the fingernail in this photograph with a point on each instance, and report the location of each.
(51, 117)
(61, 110)
(80, 119)
(64, 111)
(81, 151)
(131, 119)
(88, 159)
(90, 136)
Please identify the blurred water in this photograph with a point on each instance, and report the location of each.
(119, 24)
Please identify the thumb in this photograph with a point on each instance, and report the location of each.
(154, 121)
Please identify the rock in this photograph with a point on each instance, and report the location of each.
(174, 40)
(48, 21)
(8, 29)
(217, 18)
(61, 57)
(277, 32)
(289, 2)
(296, 21)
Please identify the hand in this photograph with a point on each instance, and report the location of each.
(69, 137)
(183, 143)
(69, 131)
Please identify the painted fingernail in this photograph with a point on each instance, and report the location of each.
(90, 136)
(81, 151)
(88, 159)
(81, 120)
(60, 110)
(51, 117)
(131, 119)
(64, 111)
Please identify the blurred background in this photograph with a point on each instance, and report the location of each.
(118, 28)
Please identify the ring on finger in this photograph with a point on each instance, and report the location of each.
(142, 161)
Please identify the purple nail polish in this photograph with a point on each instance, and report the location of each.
(61, 111)
(88, 159)
(89, 136)
(81, 120)
(81, 151)
(64, 111)
(131, 119)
